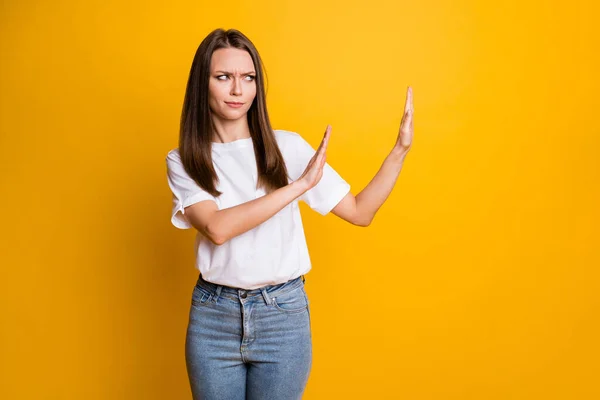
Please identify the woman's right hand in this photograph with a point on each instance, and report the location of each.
(314, 170)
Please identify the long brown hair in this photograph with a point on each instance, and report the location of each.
(196, 128)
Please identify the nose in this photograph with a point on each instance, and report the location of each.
(236, 88)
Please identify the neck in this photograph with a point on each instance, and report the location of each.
(230, 130)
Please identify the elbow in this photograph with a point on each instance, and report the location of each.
(217, 240)
(361, 217)
(363, 222)
(214, 235)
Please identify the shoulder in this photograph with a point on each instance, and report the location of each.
(290, 143)
(295, 150)
(284, 136)
(288, 139)
(173, 155)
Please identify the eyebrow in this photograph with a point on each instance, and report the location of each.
(230, 73)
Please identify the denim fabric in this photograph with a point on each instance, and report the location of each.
(249, 344)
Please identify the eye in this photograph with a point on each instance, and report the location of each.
(219, 77)
(252, 77)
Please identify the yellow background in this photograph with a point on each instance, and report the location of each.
(478, 278)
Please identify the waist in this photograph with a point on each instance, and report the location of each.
(270, 289)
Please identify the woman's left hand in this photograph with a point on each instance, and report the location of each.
(405, 134)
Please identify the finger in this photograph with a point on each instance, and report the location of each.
(322, 161)
(321, 144)
(407, 101)
(404, 118)
(325, 140)
(326, 136)
(412, 110)
(321, 152)
(408, 105)
(408, 120)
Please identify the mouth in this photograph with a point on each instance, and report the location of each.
(233, 103)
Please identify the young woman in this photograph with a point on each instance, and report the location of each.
(238, 182)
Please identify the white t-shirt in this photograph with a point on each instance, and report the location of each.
(272, 252)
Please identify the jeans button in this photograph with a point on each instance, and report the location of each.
(243, 294)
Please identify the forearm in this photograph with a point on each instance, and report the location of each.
(372, 197)
(234, 221)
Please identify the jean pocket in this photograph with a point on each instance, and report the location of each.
(201, 297)
(294, 301)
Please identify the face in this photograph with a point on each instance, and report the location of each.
(232, 80)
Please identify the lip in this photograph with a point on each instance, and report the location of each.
(234, 104)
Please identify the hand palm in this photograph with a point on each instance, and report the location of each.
(314, 170)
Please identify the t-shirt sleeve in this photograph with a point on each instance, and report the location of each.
(185, 191)
(330, 190)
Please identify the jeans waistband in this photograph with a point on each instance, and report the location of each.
(267, 292)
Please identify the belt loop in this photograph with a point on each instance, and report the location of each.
(266, 296)
(217, 292)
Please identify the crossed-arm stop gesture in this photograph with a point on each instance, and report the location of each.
(314, 170)
(222, 225)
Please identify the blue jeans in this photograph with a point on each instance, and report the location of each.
(249, 344)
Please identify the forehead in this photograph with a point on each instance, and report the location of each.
(231, 60)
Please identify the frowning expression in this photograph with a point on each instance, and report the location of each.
(232, 83)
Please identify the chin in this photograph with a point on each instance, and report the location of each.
(232, 116)
(235, 111)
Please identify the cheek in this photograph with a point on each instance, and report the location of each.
(251, 92)
(214, 93)
(213, 104)
(214, 98)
